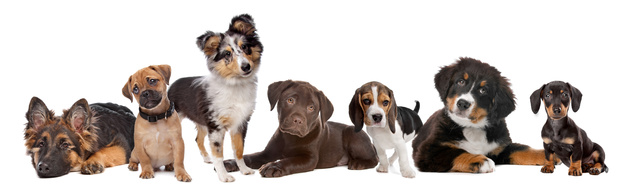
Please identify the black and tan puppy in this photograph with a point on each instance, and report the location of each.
(158, 131)
(85, 138)
(469, 134)
(305, 140)
(561, 136)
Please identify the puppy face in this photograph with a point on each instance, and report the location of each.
(301, 106)
(474, 93)
(373, 104)
(57, 144)
(148, 86)
(234, 54)
(557, 97)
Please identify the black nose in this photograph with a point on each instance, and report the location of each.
(246, 68)
(145, 94)
(463, 104)
(557, 110)
(377, 118)
(43, 168)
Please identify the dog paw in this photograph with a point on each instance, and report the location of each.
(133, 166)
(548, 169)
(92, 167)
(206, 158)
(182, 176)
(230, 165)
(246, 170)
(361, 164)
(169, 167)
(594, 171)
(573, 171)
(487, 167)
(407, 173)
(381, 169)
(271, 170)
(226, 177)
(147, 174)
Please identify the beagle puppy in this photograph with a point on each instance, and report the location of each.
(374, 104)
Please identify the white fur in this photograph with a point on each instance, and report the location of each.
(462, 118)
(476, 141)
(384, 139)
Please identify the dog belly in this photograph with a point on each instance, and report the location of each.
(382, 137)
(159, 150)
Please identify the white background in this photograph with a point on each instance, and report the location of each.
(64, 51)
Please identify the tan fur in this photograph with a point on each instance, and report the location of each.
(160, 143)
(477, 115)
(466, 161)
(528, 157)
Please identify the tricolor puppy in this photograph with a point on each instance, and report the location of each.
(85, 138)
(158, 131)
(389, 125)
(224, 100)
(305, 140)
(561, 136)
(469, 134)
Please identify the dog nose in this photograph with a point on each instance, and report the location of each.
(377, 118)
(246, 67)
(463, 104)
(145, 94)
(43, 168)
(557, 110)
(297, 120)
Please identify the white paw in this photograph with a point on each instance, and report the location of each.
(246, 171)
(381, 169)
(487, 167)
(226, 178)
(407, 172)
(207, 159)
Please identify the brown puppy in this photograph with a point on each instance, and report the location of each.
(158, 131)
(305, 140)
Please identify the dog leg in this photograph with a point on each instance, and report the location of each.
(405, 168)
(216, 144)
(105, 157)
(238, 146)
(393, 158)
(202, 131)
(383, 164)
(549, 164)
(147, 171)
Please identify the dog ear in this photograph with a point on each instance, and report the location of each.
(326, 107)
(355, 112)
(164, 70)
(576, 98)
(126, 90)
(209, 42)
(275, 89)
(443, 80)
(242, 24)
(78, 116)
(535, 99)
(38, 114)
(504, 100)
(393, 112)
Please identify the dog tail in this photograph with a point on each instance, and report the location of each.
(417, 106)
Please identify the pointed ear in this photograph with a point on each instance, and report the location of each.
(535, 99)
(443, 80)
(242, 24)
(326, 108)
(209, 42)
(275, 89)
(576, 98)
(78, 116)
(126, 90)
(504, 100)
(355, 112)
(38, 114)
(164, 70)
(393, 112)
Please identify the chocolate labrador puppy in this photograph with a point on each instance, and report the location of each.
(305, 140)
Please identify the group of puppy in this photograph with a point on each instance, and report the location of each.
(468, 135)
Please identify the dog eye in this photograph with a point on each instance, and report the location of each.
(243, 47)
(366, 101)
(565, 95)
(310, 108)
(41, 144)
(547, 96)
(227, 53)
(290, 100)
(385, 103)
(482, 91)
(461, 82)
(65, 145)
(135, 90)
(153, 82)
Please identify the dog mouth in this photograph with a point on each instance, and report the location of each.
(150, 99)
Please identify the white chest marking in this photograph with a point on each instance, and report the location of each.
(476, 141)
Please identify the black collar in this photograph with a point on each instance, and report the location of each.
(155, 118)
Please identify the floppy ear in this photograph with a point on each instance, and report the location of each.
(443, 80)
(535, 99)
(78, 116)
(355, 112)
(393, 112)
(164, 70)
(275, 89)
(209, 42)
(576, 98)
(326, 108)
(126, 90)
(504, 100)
(242, 24)
(38, 114)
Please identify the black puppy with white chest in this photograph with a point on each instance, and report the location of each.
(561, 136)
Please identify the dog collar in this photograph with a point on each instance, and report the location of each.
(155, 118)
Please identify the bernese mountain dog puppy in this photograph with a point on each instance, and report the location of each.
(469, 134)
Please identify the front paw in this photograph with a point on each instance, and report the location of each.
(548, 169)
(407, 173)
(271, 170)
(182, 176)
(361, 164)
(147, 174)
(575, 171)
(92, 167)
(230, 165)
(133, 166)
(382, 168)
